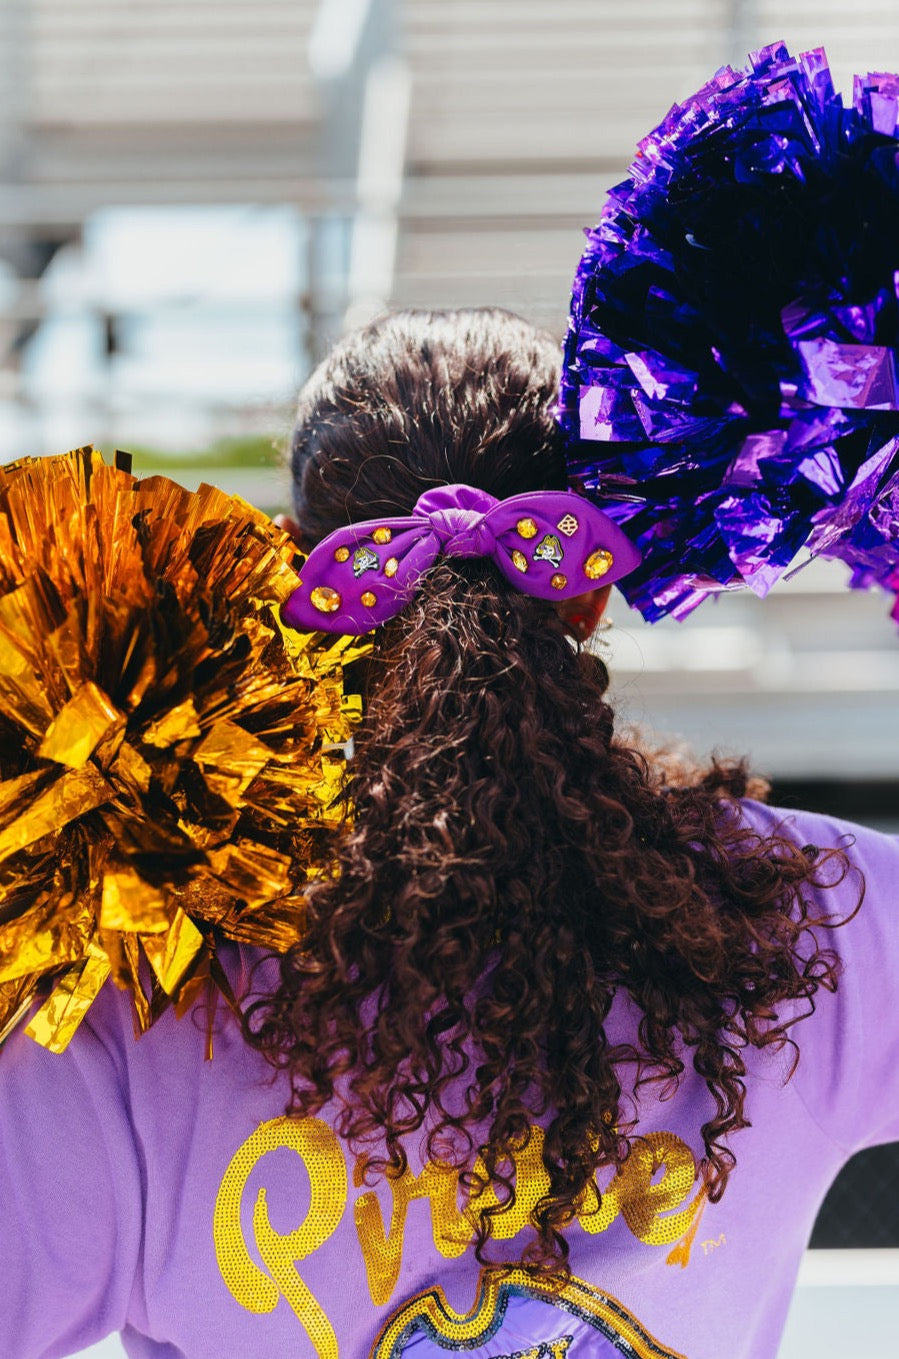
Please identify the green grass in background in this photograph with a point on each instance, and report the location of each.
(249, 451)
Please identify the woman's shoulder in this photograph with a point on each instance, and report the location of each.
(856, 869)
(821, 832)
(848, 1072)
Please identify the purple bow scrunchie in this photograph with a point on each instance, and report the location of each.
(552, 544)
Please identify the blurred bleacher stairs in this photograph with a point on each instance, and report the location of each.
(152, 101)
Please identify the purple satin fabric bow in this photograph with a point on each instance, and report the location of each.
(552, 544)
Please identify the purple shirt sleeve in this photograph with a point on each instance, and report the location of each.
(848, 1073)
(71, 1191)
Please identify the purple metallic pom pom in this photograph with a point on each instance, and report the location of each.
(730, 387)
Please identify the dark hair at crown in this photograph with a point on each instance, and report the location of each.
(420, 399)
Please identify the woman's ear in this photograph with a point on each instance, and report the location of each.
(290, 525)
(582, 613)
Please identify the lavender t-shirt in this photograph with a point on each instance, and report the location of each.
(148, 1191)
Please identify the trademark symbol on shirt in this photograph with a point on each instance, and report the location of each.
(712, 1244)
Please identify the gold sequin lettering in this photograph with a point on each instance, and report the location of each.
(531, 1184)
(598, 1218)
(646, 1199)
(317, 1147)
(383, 1252)
(643, 1202)
(681, 1250)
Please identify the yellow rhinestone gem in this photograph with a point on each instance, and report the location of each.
(369, 600)
(527, 528)
(598, 563)
(567, 525)
(382, 535)
(519, 560)
(342, 554)
(391, 566)
(558, 581)
(325, 599)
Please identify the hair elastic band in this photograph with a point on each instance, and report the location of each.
(551, 544)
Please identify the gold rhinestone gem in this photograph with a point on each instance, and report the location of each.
(558, 581)
(527, 528)
(325, 599)
(382, 535)
(369, 600)
(519, 560)
(342, 554)
(391, 566)
(567, 525)
(598, 563)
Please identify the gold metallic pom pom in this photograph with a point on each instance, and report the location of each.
(519, 560)
(342, 554)
(391, 566)
(567, 525)
(558, 581)
(598, 563)
(157, 719)
(527, 528)
(382, 535)
(369, 599)
(325, 599)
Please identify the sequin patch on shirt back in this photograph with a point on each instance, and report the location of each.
(527, 1316)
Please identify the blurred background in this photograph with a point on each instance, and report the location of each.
(197, 196)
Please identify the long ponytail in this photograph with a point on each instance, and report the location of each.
(511, 866)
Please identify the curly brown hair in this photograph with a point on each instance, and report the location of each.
(511, 865)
